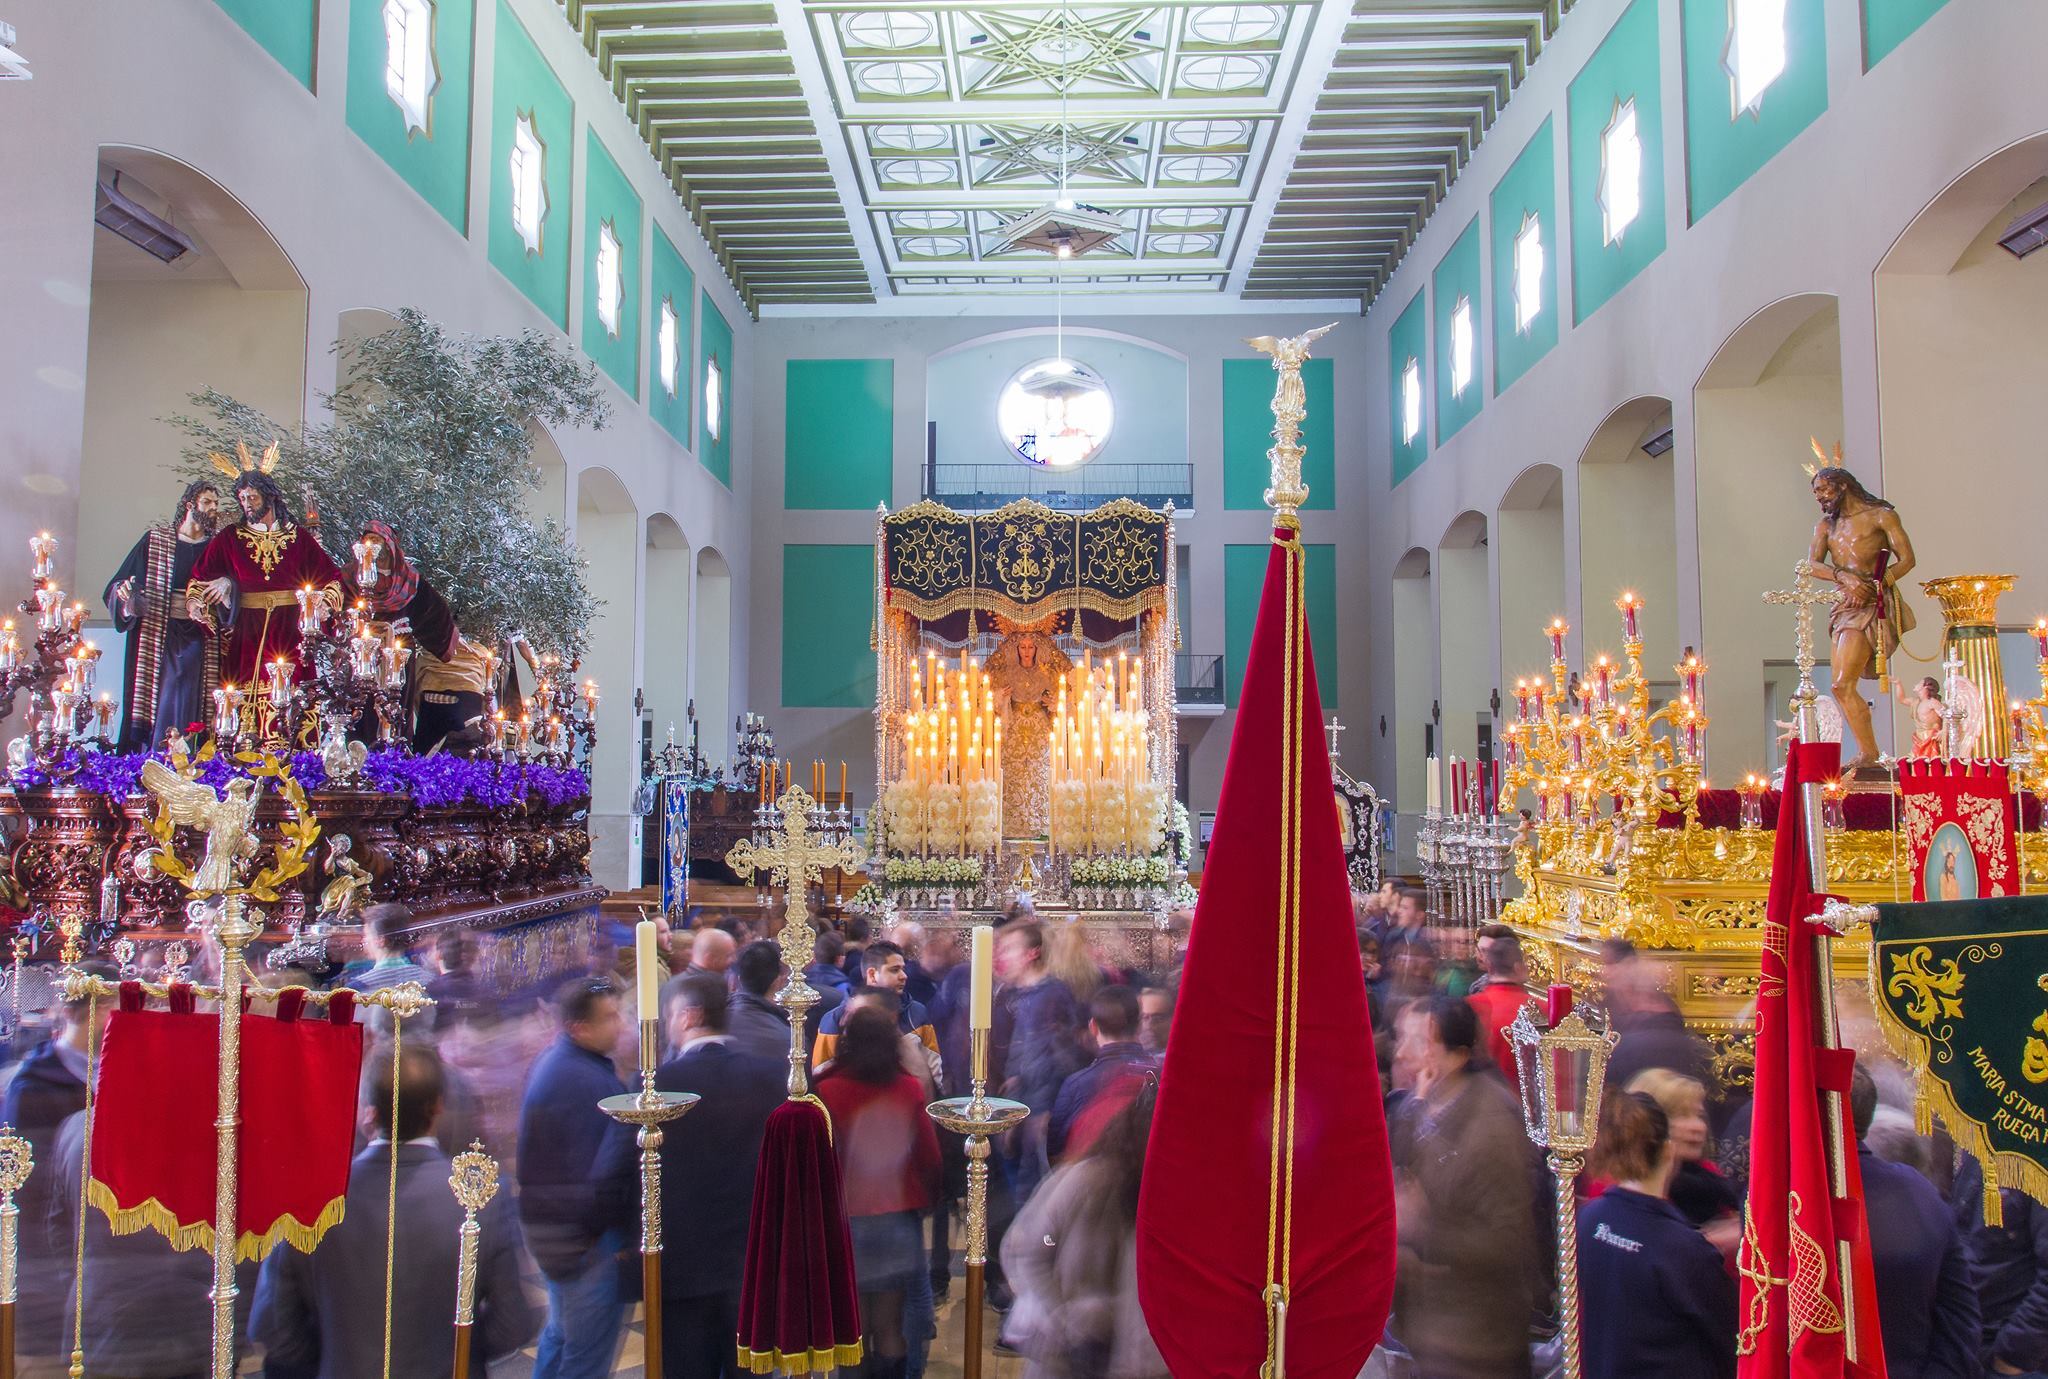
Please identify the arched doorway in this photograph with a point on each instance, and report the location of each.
(1628, 540)
(665, 629)
(711, 654)
(1959, 353)
(608, 531)
(1465, 637)
(1529, 530)
(213, 303)
(1414, 625)
(1772, 389)
(548, 502)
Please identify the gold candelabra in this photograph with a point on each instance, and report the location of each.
(979, 1117)
(1580, 740)
(1563, 1072)
(474, 1181)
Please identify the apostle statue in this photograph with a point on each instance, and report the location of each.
(450, 673)
(171, 666)
(252, 571)
(1025, 670)
(1861, 546)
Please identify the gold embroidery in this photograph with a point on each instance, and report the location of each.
(1756, 1272)
(1811, 1307)
(1936, 991)
(267, 548)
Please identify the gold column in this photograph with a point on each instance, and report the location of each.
(1969, 609)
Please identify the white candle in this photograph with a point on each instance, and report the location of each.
(981, 997)
(643, 968)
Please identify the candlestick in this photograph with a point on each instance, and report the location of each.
(981, 987)
(643, 969)
(2040, 637)
(1630, 606)
(42, 548)
(649, 1109)
(1558, 627)
(978, 1116)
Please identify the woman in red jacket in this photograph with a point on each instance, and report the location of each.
(889, 1157)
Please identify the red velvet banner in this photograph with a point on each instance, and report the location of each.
(153, 1139)
(1266, 1216)
(1792, 1323)
(1959, 825)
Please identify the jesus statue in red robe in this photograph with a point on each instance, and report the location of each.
(257, 566)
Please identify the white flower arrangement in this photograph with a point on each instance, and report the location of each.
(1120, 871)
(933, 871)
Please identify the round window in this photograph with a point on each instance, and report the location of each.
(1055, 413)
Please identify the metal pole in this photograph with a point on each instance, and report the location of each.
(232, 930)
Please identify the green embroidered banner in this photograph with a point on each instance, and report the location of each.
(1961, 988)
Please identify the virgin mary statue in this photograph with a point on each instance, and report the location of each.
(1025, 671)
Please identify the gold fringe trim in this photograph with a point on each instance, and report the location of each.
(811, 1099)
(800, 1361)
(150, 1214)
(1149, 600)
(2001, 1168)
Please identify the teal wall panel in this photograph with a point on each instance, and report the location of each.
(1244, 577)
(714, 350)
(1723, 147)
(838, 432)
(433, 161)
(287, 29)
(1248, 432)
(828, 605)
(1888, 23)
(1457, 279)
(1528, 188)
(523, 84)
(1623, 68)
(609, 199)
(1408, 340)
(675, 284)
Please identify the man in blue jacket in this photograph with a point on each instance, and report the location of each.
(577, 1180)
(1112, 1080)
(1926, 1301)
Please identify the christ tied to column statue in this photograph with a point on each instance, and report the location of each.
(1859, 544)
(1025, 671)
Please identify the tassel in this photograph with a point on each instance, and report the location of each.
(1923, 1108)
(1994, 1211)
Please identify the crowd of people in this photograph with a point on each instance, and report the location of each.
(1082, 1045)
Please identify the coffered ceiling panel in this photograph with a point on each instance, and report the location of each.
(844, 150)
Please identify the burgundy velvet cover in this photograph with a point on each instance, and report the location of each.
(799, 1313)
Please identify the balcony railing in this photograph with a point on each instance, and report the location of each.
(1198, 679)
(982, 487)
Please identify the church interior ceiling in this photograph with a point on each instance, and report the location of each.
(841, 151)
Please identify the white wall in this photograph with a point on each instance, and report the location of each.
(1465, 639)
(151, 347)
(1818, 218)
(1626, 541)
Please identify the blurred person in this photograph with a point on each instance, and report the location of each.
(1073, 1261)
(827, 971)
(883, 968)
(1044, 1043)
(456, 989)
(754, 1023)
(384, 926)
(2008, 1272)
(47, 1089)
(708, 1161)
(1155, 1018)
(310, 1308)
(889, 1157)
(1091, 1095)
(1068, 957)
(856, 930)
(1466, 1255)
(577, 1175)
(1660, 1298)
(1698, 1189)
(919, 982)
(1408, 921)
(1455, 969)
(1482, 944)
(1927, 1306)
(1500, 996)
(1369, 955)
(1653, 1033)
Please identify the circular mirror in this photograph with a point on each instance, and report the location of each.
(1055, 413)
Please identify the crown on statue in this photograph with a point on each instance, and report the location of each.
(244, 462)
